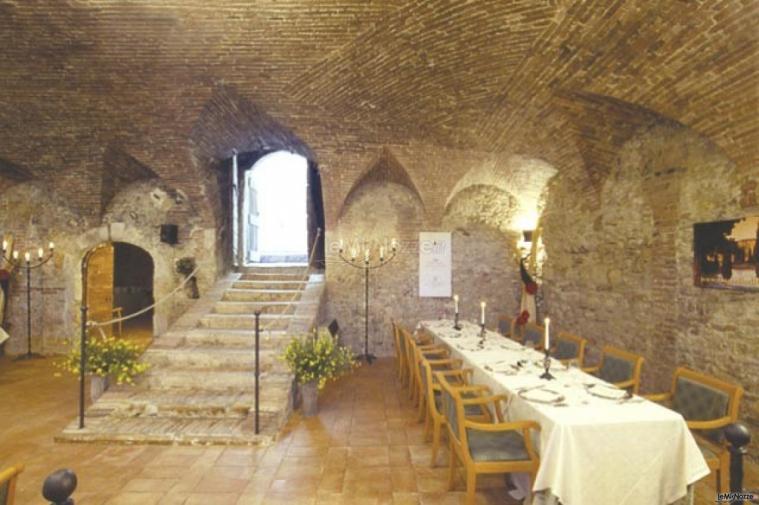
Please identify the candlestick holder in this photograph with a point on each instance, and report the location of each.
(366, 265)
(483, 334)
(547, 366)
(456, 324)
(28, 265)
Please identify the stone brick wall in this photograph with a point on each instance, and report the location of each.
(619, 260)
(35, 214)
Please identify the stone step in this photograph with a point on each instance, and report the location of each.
(211, 380)
(271, 284)
(227, 307)
(127, 402)
(246, 321)
(289, 269)
(261, 295)
(212, 358)
(264, 276)
(229, 338)
(174, 431)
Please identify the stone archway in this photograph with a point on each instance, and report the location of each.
(118, 281)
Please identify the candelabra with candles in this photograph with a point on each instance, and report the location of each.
(483, 332)
(12, 258)
(370, 262)
(456, 325)
(547, 349)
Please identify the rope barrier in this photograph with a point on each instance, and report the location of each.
(96, 324)
(99, 325)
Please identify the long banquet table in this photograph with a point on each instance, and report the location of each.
(596, 447)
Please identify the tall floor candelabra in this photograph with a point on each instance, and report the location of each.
(371, 261)
(28, 264)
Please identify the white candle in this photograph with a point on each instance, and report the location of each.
(548, 333)
(456, 303)
(382, 253)
(482, 312)
(366, 256)
(40, 253)
(27, 256)
(341, 245)
(5, 245)
(353, 253)
(393, 244)
(15, 255)
(52, 246)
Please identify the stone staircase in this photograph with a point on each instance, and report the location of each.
(200, 387)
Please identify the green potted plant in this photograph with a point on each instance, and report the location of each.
(108, 359)
(316, 359)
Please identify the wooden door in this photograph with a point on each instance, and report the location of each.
(100, 286)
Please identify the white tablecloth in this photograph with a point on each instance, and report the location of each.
(593, 450)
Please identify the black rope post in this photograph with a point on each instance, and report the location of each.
(258, 348)
(59, 486)
(739, 437)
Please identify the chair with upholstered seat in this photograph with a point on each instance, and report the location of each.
(498, 447)
(400, 354)
(8, 478)
(506, 325)
(570, 347)
(428, 350)
(530, 334)
(619, 367)
(434, 420)
(707, 404)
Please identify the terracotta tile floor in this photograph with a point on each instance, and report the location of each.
(365, 447)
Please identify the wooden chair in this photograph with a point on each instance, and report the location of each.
(400, 353)
(8, 478)
(432, 350)
(434, 420)
(707, 404)
(498, 447)
(619, 367)
(506, 325)
(570, 347)
(529, 334)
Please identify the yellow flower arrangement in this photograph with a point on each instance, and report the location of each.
(318, 358)
(107, 356)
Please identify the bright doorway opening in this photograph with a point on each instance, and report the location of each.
(275, 211)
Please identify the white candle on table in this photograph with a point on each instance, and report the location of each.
(548, 333)
(456, 303)
(482, 312)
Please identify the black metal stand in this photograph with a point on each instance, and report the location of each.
(258, 347)
(366, 266)
(483, 334)
(28, 265)
(456, 325)
(547, 366)
(739, 437)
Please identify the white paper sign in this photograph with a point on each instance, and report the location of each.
(435, 267)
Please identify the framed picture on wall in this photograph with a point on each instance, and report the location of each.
(726, 254)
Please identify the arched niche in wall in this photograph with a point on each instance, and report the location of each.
(485, 257)
(385, 169)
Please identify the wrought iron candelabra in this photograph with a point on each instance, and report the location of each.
(547, 375)
(28, 264)
(369, 262)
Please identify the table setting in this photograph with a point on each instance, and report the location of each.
(587, 425)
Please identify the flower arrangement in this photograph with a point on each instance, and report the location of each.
(108, 356)
(318, 358)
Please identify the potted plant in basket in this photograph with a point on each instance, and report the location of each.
(316, 359)
(108, 359)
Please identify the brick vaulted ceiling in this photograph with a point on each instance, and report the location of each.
(77, 77)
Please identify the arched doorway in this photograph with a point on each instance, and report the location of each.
(119, 283)
(278, 210)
